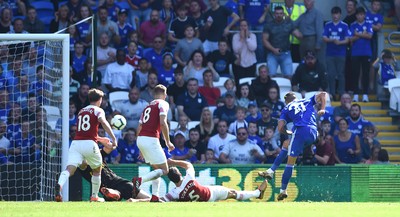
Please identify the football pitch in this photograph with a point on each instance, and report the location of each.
(242, 209)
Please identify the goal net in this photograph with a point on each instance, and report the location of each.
(34, 96)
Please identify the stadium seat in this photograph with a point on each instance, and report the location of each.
(294, 66)
(116, 96)
(123, 5)
(43, 8)
(395, 98)
(192, 124)
(222, 90)
(221, 82)
(312, 93)
(282, 95)
(52, 115)
(246, 80)
(284, 84)
(212, 109)
(393, 83)
(173, 125)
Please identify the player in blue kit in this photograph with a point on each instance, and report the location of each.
(304, 133)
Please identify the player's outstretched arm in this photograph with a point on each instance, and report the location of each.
(321, 98)
(107, 128)
(180, 163)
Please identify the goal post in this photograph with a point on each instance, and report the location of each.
(54, 55)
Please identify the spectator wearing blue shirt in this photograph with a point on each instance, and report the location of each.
(199, 147)
(20, 92)
(139, 11)
(374, 18)
(361, 54)
(356, 121)
(113, 9)
(387, 66)
(124, 28)
(347, 145)
(253, 115)
(4, 143)
(23, 146)
(14, 121)
(181, 152)
(227, 112)
(154, 54)
(42, 87)
(128, 147)
(5, 106)
(78, 58)
(191, 102)
(166, 72)
(336, 36)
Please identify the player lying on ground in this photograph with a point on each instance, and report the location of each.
(188, 189)
(113, 187)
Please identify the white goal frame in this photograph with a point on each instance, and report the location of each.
(65, 86)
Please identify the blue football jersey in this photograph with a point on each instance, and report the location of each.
(301, 113)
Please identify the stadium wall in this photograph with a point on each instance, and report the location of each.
(344, 183)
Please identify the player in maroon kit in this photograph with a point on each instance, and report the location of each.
(188, 189)
(84, 146)
(152, 121)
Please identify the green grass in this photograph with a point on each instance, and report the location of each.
(242, 209)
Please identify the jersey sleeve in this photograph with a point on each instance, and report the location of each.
(171, 196)
(164, 107)
(99, 112)
(284, 116)
(190, 173)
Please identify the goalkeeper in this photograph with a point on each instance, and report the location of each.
(113, 187)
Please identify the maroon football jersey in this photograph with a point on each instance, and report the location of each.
(150, 118)
(88, 123)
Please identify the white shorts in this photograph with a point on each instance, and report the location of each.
(84, 150)
(218, 193)
(151, 150)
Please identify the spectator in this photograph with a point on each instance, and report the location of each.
(14, 121)
(227, 112)
(18, 27)
(186, 46)
(376, 20)
(32, 24)
(254, 115)
(29, 65)
(132, 108)
(356, 119)
(131, 57)
(196, 13)
(267, 121)
(139, 12)
(195, 143)
(311, 26)
(210, 157)
(360, 54)
(42, 87)
(368, 142)
(182, 126)
(310, 75)
(253, 137)
(374, 154)
(336, 36)
(324, 154)
(177, 29)
(118, 75)
(129, 152)
(78, 59)
(294, 11)
(261, 84)
(23, 146)
(4, 143)
(84, 28)
(152, 28)
(134, 36)
(166, 72)
(276, 37)
(271, 148)
(244, 44)
(15, 72)
(104, 25)
(191, 102)
(6, 20)
(216, 25)
(211, 93)
(240, 121)
(181, 152)
(113, 9)
(18, 7)
(387, 67)
(229, 85)
(5, 106)
(175, 89)
(61, 20)
(351, 6)
(147, 92)
(20, 92)
(71, 116)
(196, 66)
(276, 103)
(89, 77)
(256, 13)
(221, 59)
(347, 145)
(167, 14)
(29, 113)
(383, 157)
(155, 53)
(218, 141)
(206, 126)
(343, 110)
(74, 6)
(245, 96)
(241, 150)
(105, 53)
(123, 28)
(81, 98)
(142, 73)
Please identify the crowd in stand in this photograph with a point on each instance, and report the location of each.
(188, 45)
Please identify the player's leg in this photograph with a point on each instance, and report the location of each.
(287, 174)
(245, 195)
(269, 174)
(91, 153)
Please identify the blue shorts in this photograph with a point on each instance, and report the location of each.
(301, 137)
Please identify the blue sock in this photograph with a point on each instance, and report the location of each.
(287, 174)
(278, 160)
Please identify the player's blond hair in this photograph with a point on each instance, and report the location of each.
(289, 97)
(160, 89)
(95, 95)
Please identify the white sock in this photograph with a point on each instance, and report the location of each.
(365, 97)
(155, 187)
(355, 97)
(245, 195)
(152, 175)
(283, 191)
(96, 182)
(270, 171)
(64, 176)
